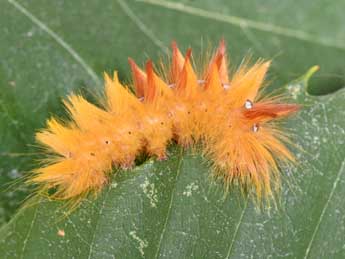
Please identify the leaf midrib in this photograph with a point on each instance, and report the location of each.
(244, 22)
(231, 244)
(97, 221)
(168, 216)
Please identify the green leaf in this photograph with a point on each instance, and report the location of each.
(172, 209)
(50, 48)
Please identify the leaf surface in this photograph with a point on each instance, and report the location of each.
(172, 209)
(48, 49)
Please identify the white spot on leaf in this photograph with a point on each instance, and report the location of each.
(150, 191)
(294, 90)
(190, 189)
(142, 243)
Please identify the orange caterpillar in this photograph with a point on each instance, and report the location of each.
(225, 113)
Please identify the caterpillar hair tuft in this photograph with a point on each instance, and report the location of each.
(227, 114)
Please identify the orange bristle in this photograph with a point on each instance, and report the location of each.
(234, 125)
(146, 115)
(176, 65)
(139, 78)
(220, 59)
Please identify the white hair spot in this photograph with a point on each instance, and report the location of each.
(248, 104)
(226, 86)
(256, 127)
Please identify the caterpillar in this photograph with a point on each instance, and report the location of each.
(227, 114)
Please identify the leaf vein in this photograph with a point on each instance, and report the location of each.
(245, 23)
(29, 232)
(237, 228)
(97, 221)
(142, 27)
(317, 227)
(57, 38)
(170, 205)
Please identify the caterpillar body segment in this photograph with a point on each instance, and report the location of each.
(227, 114)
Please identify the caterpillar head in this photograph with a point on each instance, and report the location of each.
(243, 139)
(252, 146)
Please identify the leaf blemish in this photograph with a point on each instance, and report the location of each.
(150, 192)
(142, 243)
(190, 189)
(294, 90)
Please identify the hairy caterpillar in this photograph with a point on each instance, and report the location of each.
(225, 113)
